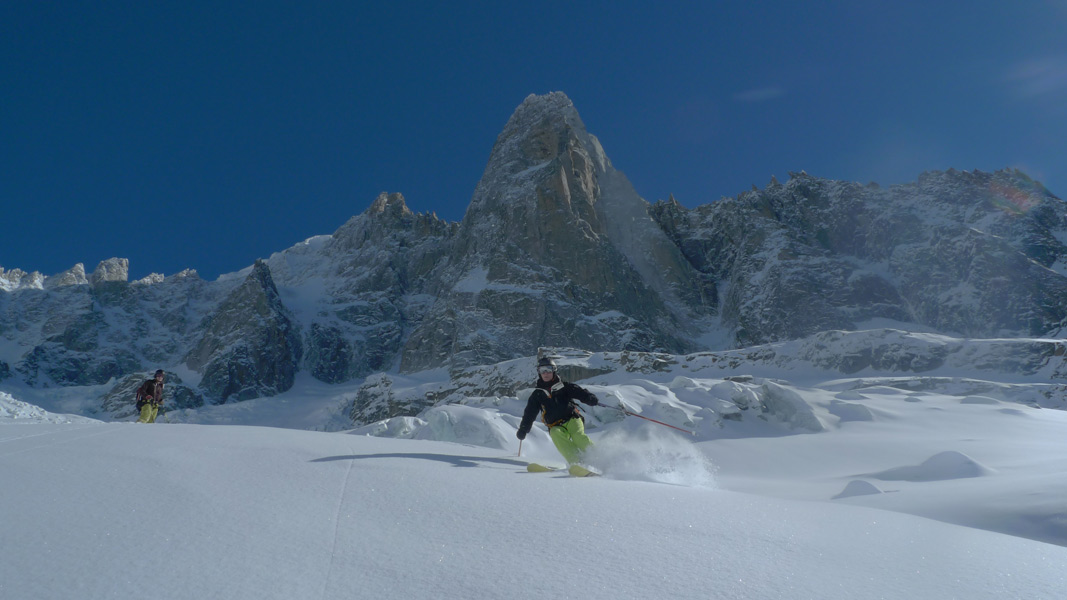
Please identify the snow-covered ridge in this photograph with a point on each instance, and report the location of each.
(112, 269)
(1026, 371)
(17, 411)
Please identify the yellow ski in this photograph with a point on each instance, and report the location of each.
(580, 471)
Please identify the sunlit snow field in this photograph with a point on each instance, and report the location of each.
(899, 494)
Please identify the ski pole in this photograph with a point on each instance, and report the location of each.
(623, 410)
(520, 448)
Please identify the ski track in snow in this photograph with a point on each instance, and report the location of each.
(457, 522)
(66, 439)
(34, 435)
(337, 526)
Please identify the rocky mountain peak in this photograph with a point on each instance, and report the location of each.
(536, 111)
(72, 276)
(390, 205)
(112, 269)
(552, 235)
(387, 221)
(14, 279)
(543, 131)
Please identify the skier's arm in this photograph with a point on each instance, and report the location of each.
(584, 395)
(533, 406)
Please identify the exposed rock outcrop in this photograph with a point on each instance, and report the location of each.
(249, 347)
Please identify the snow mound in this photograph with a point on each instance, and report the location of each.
(979, 400)
(1012, 411)
(17, 411)
(789, 407)
(939, 467)
(850, 411)
(858, 487)
(403, 428)
(467, 425)
(450, 423)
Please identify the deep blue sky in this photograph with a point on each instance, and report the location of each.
(206, 134)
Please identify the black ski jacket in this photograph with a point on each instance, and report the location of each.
(555, 400)
(150, 392)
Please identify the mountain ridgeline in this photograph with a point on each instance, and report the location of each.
(558, 250)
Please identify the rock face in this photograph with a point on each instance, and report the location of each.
(557, 249)
(973, 254)
(250, 347)
(372, 281)
(70, 333)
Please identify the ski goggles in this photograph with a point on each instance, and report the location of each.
(542, 370)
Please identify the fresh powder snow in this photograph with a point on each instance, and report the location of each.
(900, 494)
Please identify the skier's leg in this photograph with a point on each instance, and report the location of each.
(146, 413)
(576, 427)
(562, 439)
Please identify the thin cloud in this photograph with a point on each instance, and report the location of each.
(1039, 77)
(759, 94)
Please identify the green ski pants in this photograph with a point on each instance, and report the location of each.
(570, 439)
(148, 413)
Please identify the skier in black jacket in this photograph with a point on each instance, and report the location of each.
(150, 397)
(555, 400)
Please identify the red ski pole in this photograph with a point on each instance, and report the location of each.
(619, 408)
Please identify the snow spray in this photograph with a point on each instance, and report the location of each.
(651, 455)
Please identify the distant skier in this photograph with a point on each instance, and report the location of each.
(555, 400)
(150, 397)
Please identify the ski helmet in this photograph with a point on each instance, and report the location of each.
(546, 363)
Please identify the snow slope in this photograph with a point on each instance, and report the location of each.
(120, 510)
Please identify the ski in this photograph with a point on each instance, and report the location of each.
(579, 471)
(574, 470)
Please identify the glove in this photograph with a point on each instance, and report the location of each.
(593, 400)
(520, 434)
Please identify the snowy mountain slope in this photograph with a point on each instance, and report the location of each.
(178, 511)
(359, 292)
(756, 415)
(17, 411)
(556, 249)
